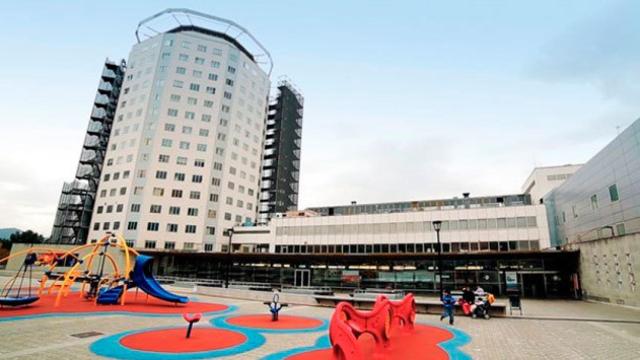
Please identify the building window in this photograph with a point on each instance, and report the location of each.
(162, 159)
(174, 210)
(133, 225)
(190, 229)
(192, 212)
(169, 245)
(188, 246)
(153, 226)
(176, 193)
(178, 176)
(161, 174)
(169, 127)
(613, 193)
(594, 202)
(194, 195)
(155, 209)
(620, 230)
(172, 227)
(213, 77)
(181, 160)
(196, 178)
(149, 244)
(194, 87)
(198, 163)
(181, 70)
(158, 192)
(208, 247)
(183, 57)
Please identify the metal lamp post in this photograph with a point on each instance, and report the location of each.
(229, 233)
(437, 225)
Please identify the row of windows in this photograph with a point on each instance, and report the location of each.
(171, 245)
(187, 130)
(526, 245)
(594, 201)
(163, 158)
(409, 227)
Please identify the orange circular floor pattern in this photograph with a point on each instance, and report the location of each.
(285, 322)
(174, 340)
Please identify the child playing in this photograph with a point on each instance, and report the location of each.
(448, 302)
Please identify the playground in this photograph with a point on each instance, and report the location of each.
(109, 279)
(102, 301)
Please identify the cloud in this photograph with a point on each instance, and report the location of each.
(603, 51)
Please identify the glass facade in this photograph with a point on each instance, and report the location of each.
(541, 274)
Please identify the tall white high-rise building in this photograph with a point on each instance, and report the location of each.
(183, 160)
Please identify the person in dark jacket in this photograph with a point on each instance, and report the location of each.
(448, 303)
(468, 295)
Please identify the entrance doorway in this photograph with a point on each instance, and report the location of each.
(301, 277)
(533, 285)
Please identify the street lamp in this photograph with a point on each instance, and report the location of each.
(229, 233)
(437, 225)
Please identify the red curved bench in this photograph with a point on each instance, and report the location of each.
(348, 324)
(403, 311)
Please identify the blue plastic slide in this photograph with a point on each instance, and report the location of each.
(143, 279)
(110, 296)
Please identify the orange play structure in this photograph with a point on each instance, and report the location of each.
(348, 324)
(96, 270)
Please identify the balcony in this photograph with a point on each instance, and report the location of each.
(108, 74)
(98, 114)
(95, 128)
(105, 87)
(101, 99)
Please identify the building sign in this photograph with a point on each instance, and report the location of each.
(511, 278)
(350, 276)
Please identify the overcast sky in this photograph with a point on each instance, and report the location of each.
(403, 100)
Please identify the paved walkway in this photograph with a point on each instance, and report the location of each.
(497, 338)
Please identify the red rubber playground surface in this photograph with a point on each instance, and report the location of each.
(422, 343)
(285, 322)
(74, 303)
(173, 340)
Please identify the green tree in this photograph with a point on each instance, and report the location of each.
(27, 237)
